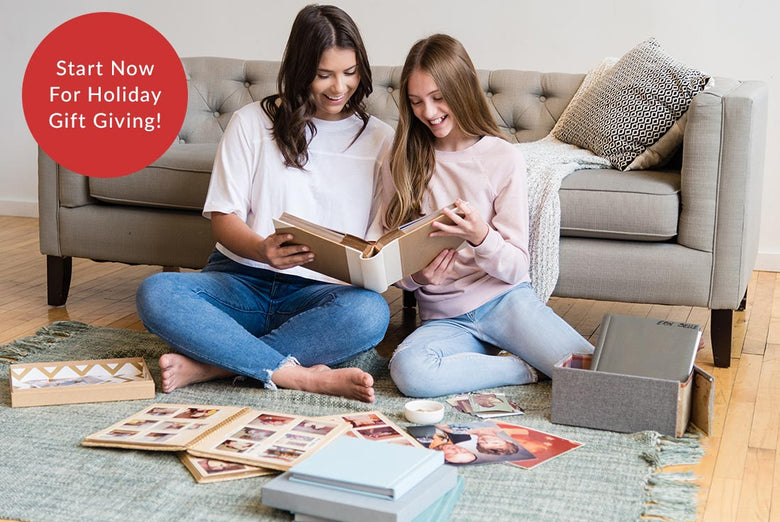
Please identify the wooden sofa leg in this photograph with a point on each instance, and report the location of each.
(720, 334)
(409, 300)
(58, 271)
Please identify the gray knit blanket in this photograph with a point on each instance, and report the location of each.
(549, 160)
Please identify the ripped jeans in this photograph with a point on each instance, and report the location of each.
(459, 354)
(251, 321)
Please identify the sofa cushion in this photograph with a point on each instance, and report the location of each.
(605, 203)
(631, 106)
(178, 179)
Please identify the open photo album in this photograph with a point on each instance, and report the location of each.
(234, 434)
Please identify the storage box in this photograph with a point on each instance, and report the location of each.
(70, 382)
(627, 403)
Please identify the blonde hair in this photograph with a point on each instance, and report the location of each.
(412, 159)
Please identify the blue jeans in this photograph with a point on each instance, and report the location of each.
(459, 354)
(251, 321)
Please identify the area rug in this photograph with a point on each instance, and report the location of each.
(48, 476)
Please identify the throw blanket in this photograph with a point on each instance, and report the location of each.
(550, 160)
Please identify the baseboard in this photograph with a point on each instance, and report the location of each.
(19, 208)
(768, 262)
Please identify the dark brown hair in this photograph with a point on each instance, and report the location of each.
(316, 29)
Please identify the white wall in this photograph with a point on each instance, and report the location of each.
(725, 38)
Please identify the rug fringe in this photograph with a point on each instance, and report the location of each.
(672, 495)
(43, 339)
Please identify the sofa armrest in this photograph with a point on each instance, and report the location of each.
(57, 187)
(722, 171)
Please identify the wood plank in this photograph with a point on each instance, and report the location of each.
(756, 494)
(761, 312)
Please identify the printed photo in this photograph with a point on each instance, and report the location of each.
(471, 443)
(235, 446)
(161, 411)
(250, 433)
(312, 426)
(156, 437)
(173, 426)
(120, 434)
(267, 419)
(282, 453)
(379, 433)
(363, 419)
(196, 413)
(139, 423)
(216, 467)
(544, 446)
(297, 441)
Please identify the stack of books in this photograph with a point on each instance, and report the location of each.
(356, 480)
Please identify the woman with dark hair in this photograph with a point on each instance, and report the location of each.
(313, 151)
(478, 300)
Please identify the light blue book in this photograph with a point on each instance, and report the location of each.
(366, 467)
(439, 511)
(309, 501)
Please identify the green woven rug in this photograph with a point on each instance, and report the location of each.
(48, 476)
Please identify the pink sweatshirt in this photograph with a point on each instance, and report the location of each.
(491, 175)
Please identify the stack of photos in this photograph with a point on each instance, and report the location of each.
(242, 435)
(373, 425)
(485, 405)
(543, 446)
(471, 443)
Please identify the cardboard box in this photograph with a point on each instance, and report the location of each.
(627, 403)
(71, 382)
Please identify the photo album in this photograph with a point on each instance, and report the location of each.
(242, 435)
(372, 265)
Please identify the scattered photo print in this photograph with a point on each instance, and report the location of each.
(543, 446)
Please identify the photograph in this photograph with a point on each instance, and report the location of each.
(379, 433)
(235, 446)
(120, 434)
(156, 437)
(268, 419)
(359, 420)
(139, 423)
(161, 411)
(250, 433)
(297, 441)
(544, 446)
(173, 426)
(281, 453)
(471, 443)
(196, 413)
(311, 426)
(215, 467)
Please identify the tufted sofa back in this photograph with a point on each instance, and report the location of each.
(525, 104)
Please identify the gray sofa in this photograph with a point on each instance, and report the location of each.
(684, 235)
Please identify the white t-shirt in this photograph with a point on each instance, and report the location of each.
(336, 189)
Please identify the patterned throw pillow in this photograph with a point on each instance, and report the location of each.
(632, 105)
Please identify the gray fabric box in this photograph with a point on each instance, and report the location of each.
(627, 403)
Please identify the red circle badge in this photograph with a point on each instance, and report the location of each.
(104, 94)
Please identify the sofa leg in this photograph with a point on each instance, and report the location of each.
(720, 335)
(58, 271)
(409, 300)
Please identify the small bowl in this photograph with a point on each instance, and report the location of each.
(424, 411)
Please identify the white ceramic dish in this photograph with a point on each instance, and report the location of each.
(424, 411)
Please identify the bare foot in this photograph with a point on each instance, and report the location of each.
(352, 383)
(179, 371)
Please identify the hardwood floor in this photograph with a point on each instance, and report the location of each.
(740, 472)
